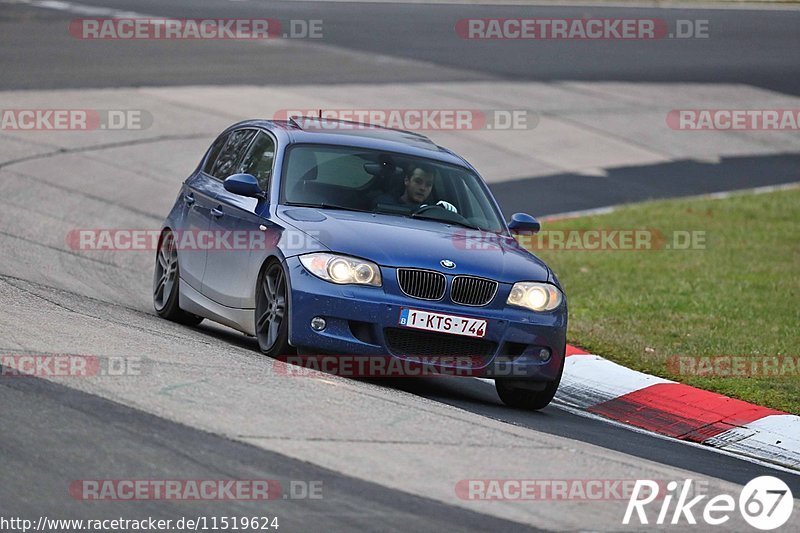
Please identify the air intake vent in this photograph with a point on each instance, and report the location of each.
(467, 290)
(422, 284)
(405, 342)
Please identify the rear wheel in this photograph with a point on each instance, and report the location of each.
(166, 283)
(272, 311)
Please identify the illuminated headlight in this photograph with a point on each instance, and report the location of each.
(535, 296)
(342, 269)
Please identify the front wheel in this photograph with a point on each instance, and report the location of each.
(516, 395)
(272, 311)
(166, 283)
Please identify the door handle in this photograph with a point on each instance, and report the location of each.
(188, 199)
(216, 212)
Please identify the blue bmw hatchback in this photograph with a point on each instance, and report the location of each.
(331, 237)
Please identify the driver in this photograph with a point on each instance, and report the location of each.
(418, 187)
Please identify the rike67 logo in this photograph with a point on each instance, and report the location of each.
(765, 503)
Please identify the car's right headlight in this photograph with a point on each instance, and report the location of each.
(342, 269)
(535, 296)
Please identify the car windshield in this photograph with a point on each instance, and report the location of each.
(341, 177)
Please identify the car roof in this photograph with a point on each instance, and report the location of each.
(310, 130)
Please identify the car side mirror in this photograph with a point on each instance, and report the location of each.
(244, 185)
(524, 222)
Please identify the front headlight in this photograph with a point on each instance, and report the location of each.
(535, 296)
(342, 269)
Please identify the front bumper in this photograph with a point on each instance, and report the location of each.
(363, 321)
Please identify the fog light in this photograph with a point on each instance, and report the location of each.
(318, 323)
(544, 355)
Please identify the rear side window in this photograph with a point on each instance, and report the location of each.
(231, 154)
(216, 148)
(258, 160)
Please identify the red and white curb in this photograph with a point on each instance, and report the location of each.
(601, 387)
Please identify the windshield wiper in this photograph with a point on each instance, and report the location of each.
(447, 221)
(324, 205)
(327, 206)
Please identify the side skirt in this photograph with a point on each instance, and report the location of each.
(194, 302)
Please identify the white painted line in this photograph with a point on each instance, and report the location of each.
(582, 213)
(82, 9)
(596, 172)
(757, 190)
(710, 196)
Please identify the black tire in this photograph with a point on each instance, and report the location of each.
(166, 283)
(520, 398)
(514, 395)
(272, 311)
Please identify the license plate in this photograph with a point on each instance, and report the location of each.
(456, 325)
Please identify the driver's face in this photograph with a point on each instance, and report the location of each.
(418, 186)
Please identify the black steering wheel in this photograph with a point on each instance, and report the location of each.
(426, 207)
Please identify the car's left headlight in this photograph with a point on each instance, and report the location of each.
(342, 269)
(535, 296)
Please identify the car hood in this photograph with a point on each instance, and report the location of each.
(396, 241)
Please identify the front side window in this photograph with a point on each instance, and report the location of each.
(341, 177)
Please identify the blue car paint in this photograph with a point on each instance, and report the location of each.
(230, 279)
(311, 296)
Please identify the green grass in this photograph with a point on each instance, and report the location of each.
(738, 296)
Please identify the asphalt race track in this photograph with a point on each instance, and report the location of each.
(416, 32)
(207, 404)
